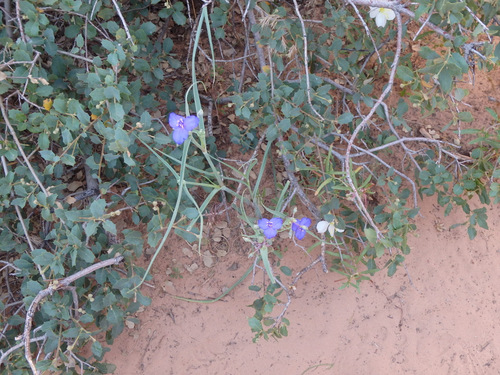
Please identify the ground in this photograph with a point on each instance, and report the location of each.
(440, 318)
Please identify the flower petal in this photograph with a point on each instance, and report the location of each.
(263, 223)
(270, 232)
(276, 222)
(191, 122)
(389, 14)
(180, 135)
(322, 226)
(380, 20)
(332, 229)
(374, 12)
(300, 233)
(173, 120)
(305, 222)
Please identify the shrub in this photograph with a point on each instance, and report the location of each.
(86, 89)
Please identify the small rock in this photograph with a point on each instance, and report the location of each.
(193, 267)
(187, 252)
(233, 267)
(283, 235)
(221, 253)
(221, 224)
(168, 287)
(208, 260)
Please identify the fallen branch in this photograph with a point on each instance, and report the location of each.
(63, 284)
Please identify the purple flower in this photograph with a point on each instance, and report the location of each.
(270, 227)
(182, 126)
(300, 227)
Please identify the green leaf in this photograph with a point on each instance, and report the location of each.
(72, 332)
(15, 320)
(32, 288)
(109, 226)
(97, 350)
(141, 65)
(42, 257)
(179, 18)
(284, 125)
(267, 265)
(427, 53)
(86, 255)
(446, 80)
(460, 93)
(115, 316)
(405, 73)
(392, 269)
(148, 27)
(108, 45)
(472, 232)
(49, 156)
(97, 208)
(255, 324)
(458, 189)
(111, 92)
(116, 111)
(379, 249)
(162, 139)
(470, 185)
(113, 59)
(191, 213)
(43, 141)
(91, 228)
(287, 271)
(345, 118)
(68, 159)
(465, 116)
(492, 111)
(371, 235)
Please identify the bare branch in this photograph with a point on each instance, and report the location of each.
(20, 147)
(347, 162)
(117, 7)
(60, 285)
(306, 60)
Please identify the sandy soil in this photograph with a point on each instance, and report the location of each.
(445, 323)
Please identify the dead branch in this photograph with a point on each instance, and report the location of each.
(347, 162)
(63, 284)
(20, 147)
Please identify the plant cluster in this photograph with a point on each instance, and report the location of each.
(87, 90)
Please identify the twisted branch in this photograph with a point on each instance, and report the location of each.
(63, 284)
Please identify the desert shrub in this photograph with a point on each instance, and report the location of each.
(88, 89)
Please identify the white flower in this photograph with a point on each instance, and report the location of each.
(381, 15)
(324, 225)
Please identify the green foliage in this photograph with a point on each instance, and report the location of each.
(79, 89)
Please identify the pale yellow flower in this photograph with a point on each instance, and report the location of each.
(381, 15)
(324, 225)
